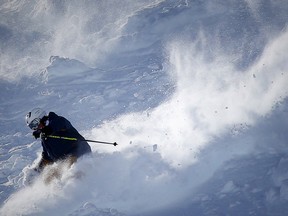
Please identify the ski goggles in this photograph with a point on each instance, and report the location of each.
(34, 124)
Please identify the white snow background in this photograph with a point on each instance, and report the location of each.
(194, 92)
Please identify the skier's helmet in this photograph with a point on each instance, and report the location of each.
(33, 118)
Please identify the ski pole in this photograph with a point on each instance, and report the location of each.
(101, 142)
(75, 139)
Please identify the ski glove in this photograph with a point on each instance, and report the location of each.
(36, 134)
(46, 130)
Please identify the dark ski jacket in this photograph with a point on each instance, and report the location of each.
(56, 148)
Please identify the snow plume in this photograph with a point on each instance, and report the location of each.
(102, 182)
(211, 98)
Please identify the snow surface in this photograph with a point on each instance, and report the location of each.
(194, 92)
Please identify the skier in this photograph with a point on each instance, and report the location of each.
(60, 140)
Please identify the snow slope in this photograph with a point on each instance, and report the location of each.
(194, 92)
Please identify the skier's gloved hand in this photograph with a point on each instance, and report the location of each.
(36, 134)
(46, 130)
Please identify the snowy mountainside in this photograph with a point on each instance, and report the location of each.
(194, 92)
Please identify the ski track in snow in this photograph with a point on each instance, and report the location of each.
(194, 93)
